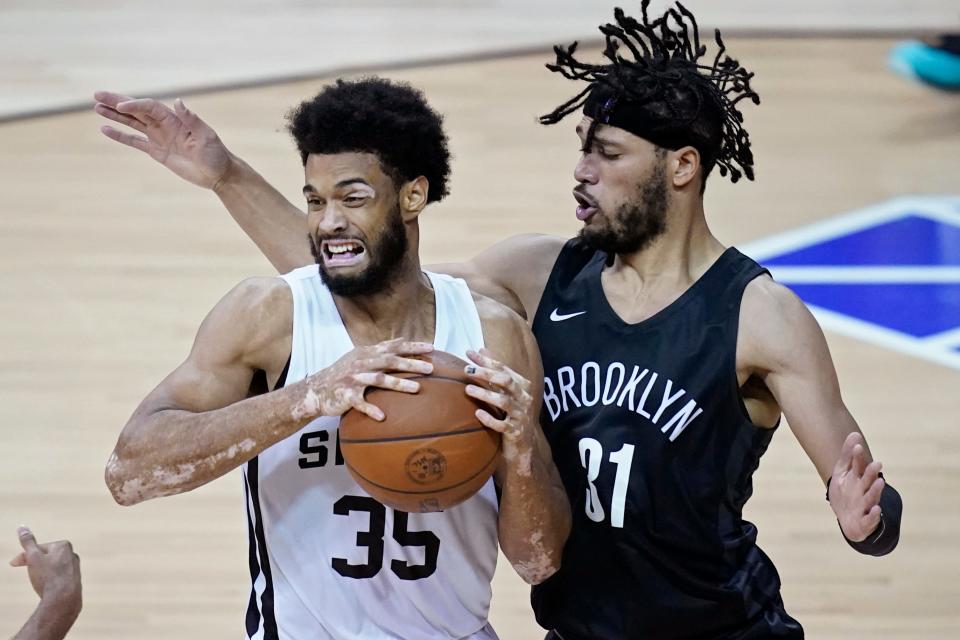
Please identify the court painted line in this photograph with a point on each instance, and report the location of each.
(947, 339)
(822, 274)
(888, 338)
(942, 348)
(941, 208)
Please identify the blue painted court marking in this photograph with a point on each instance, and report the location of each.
(888, 274)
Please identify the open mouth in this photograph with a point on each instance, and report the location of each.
(586, 206)
(342, 253)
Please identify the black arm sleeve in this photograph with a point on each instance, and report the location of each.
(885, 537)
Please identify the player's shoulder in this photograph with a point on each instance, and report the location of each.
(497, 317)
(257, 313)
(766, 300)
(539, 244)
(260, 294)
(520, 265)
(529, 255)
(774, 321)
(508, 336)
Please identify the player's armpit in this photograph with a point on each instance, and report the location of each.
(513, 272)
(196, 425)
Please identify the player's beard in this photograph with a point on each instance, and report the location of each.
(384, 256)
(636, 223)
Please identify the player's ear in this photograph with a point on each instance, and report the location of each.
(413, 198)
(683, 165)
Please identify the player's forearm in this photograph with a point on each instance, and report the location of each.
(276, 226)
(534, 514)
(172, 451)
(53, 617)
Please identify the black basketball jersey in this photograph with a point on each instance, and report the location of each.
(656, 452)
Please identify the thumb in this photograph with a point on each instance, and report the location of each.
(27, 541)
(845, 460)
(19, 560)
(190, 119)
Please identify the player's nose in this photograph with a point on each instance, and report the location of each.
(331, 220)
(585, 171)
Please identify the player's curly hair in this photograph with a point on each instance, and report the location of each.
(391, 120)
(672, 95)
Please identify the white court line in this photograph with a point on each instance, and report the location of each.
(888, 338)
(946, 209)
(946, 340)
(822, 274)
(940, 208)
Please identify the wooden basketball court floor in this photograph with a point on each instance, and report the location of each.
(108, 263)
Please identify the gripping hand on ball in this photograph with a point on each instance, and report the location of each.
(341, 386)
(506, 390)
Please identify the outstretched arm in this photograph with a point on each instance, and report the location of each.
(181, 141)
(534, 510)
(197, 425)
(790, 352)
(513, 272)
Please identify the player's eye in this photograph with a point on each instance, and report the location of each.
(354, 200)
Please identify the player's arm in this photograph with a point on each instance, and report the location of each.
(789, 353)
(198, 424)
(179, 140)
(513, 272)
(534, 511)
(54, 571)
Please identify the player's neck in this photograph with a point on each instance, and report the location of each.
(406, 309)
(638, 285)
(685, 250)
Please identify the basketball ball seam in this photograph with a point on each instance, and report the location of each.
(413, 437)
(433, 490)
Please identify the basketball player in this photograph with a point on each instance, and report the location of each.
(326, 559)
(668, 357)
(54, 571)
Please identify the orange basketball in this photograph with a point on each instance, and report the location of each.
(431, 452)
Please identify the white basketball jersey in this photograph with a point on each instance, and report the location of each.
(327, 561)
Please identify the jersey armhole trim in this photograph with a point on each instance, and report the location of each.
(732, 366)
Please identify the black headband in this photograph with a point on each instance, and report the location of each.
(605, 106)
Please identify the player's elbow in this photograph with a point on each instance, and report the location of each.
(537, 568)
(126, 489)
(537, 559)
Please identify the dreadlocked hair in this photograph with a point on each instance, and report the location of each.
(680, 98)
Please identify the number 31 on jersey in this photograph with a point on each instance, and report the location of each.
(591, 457)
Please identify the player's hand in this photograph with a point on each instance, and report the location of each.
(855, 490)
(176, 138)
(54, 570)
(507, 390)
(340, 387)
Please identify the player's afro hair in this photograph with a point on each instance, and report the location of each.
(391, 120)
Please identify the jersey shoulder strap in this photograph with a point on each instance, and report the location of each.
(573, 259)
(319, 336)
(458, 321)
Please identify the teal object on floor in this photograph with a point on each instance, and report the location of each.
(928, 64)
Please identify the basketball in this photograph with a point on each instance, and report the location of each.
(430, 453)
